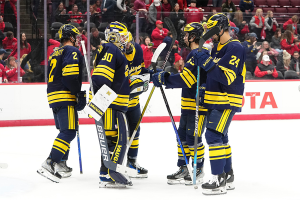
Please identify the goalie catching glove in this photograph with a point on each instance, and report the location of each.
(138, 84)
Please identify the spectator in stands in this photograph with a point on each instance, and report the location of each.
(276, 41)
(182, 4)
(107, 9)
(2, 24)
(293, 21)
(94, 16)
(82, 6)
(229, 7)
(272, 53)
(25, 47)
(213, 11)
(287, 42)
(251, 51)
(261, 56)
(53, 44)
(9, 11)
(177, 19)
(265, 69)
(9, 42)
(3, 74)
(271, 25)
(155, 14)
(193, 14)
(290, 27)
(2, 53)
(75, 15)
(247, 6)
(241, 24)
(55, 4)
(177, 66)
(294, 65)
(158, 34)
(95, 40)
(217, 3)
(12, 70)
(97, 6)
(283, 63)
(147, 46)
(61, 14)
(166, 8)
(139, 5)
(257, 23)
(82, 37)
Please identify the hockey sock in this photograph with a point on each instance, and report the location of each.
(200, 154)
(181, 160)
(133, 150)
(227, 167)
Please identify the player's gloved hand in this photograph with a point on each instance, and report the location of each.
(201, 94)
(159, 78)
(81, 100)
(151, 71)
(204, 60)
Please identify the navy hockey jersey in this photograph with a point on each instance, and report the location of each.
(136, 67)
(111, 69)
(64, 76)
(187, 80)
(225, 82)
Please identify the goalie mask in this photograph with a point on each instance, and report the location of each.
(117, 34)
(192, 33)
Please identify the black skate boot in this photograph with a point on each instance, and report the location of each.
(199, 177)
(141, 172)
(217, 185)
(64, 170)
(178, 176)
(229, 180)
(49, 170)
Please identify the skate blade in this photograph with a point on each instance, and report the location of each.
(140, 176)
(230, 186)
(48, 175)
(65, 174)
(190, 183)
(220, 190)
(111, 184)
(175, 182)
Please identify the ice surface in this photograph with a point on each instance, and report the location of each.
(265, 162)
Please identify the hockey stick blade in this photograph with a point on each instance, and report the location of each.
(214, 31)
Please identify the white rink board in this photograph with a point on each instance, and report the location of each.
(29, 101)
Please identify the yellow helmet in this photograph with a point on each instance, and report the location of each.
(117, 34)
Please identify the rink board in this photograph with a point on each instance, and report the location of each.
(27, 105)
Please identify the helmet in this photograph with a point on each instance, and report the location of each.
(220, 20)
(117, 34)
(68, 31)
(130, 44)
(194, 29)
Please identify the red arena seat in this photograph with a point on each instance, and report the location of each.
(292, 10)
(281, 11)
(261, 3)
(267, 9)
(284, 3)
(295, 3)
(273, 3)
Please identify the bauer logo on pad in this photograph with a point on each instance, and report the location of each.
(100, 102)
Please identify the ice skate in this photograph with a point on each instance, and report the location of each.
(217, 185)
(107, 182)
(49, 170)
(63, 169)
(177, 177)
(199, 177)
(229, 180)
(141, 172)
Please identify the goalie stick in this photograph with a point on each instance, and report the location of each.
(209, 34)
(102, 137)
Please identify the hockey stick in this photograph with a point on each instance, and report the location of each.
(205, 37)
(154, 58)
(79, 152)
(102, 137)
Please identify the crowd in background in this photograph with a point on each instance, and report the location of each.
(272, 48)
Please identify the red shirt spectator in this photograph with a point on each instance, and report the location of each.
(12, 4)
(182, 4)
(97, 6)
(82, 38)
(147, 51)
(75, 16)
(25, 47)
(2, 24)
(159, 10)
(139, 5)
(287, 43)
(294, 20)
(53, 44)
(9, 41)
(167, 8)
(265, 68)
(12, 70)
(193, 14)
(158, 34)
(3, 74)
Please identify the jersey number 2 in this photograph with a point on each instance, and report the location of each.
(52, 65)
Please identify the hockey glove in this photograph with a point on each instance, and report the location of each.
(81, 100)
(204, 60)
(138, 84)
(159, 78)
(201, 94)
(151, 71)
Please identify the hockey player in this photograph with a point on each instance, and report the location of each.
(134, 55)
(110, 68)
(226, 72)
(65, 98)
(187, 80)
